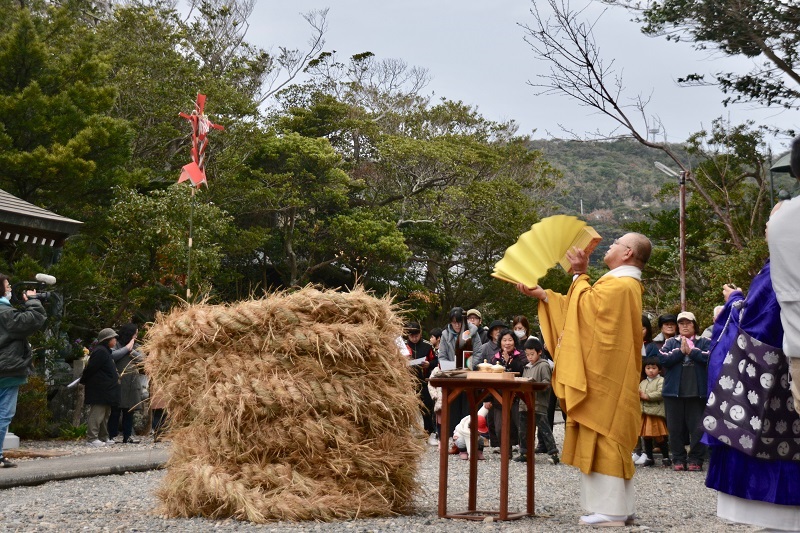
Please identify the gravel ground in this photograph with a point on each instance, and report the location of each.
(666, 501)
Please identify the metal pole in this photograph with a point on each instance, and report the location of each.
(771, 182)
(189, 265)
(682, 216)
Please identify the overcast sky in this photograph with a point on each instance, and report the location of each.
(474, 52)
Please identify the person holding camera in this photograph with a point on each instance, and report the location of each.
(16, 356)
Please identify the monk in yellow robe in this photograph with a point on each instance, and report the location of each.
(597, 334)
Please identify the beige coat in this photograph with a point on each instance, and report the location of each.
(655, 405)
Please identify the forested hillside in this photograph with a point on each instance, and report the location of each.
(617, 178)
(613, 179)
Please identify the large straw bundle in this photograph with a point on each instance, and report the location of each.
(293, 407)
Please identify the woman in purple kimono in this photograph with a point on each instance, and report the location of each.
(751, 490)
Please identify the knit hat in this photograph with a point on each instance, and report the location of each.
(106, 334)
(497, 324)
(664, 319)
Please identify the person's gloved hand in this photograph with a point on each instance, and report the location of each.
(794, 372)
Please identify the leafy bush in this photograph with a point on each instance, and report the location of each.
(32, 416)
(70, 432)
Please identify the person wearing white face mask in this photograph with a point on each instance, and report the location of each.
(522, 330)
(16, 357)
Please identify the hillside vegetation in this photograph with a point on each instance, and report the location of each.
(614, 179)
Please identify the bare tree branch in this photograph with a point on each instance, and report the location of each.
(577, 70)
(292, 62)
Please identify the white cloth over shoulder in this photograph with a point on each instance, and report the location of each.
(784, 253)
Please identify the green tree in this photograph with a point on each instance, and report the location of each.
(139, 265)
(719, 249)
(462, 189)
(58, 146)
(765, 30)
(459, 187)
(286, 195)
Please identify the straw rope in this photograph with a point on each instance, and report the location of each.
(292, 407)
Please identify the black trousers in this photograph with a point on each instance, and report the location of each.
(546, 439)
(649, 444)
(498, 421)
(684, 423)
(428, 416)
(551, 409)
(459, 408)
(159, 419)
(127, 423)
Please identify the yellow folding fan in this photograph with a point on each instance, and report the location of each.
(544, 246)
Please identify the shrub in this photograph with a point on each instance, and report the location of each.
(70, 432)
(32, 416)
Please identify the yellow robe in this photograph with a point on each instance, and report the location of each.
(597, 332)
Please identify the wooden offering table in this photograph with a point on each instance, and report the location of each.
(477, 385)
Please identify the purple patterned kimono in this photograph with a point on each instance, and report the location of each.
(730, 471)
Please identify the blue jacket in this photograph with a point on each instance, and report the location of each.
(671, 358)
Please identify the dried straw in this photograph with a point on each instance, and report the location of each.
(292, 407)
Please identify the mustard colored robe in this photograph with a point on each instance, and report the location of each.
(597, 332)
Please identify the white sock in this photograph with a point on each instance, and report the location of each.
(599, 517)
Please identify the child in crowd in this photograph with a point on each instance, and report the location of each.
(436, 396)
(654, 425)
(461, 436)
(483, 423)
(538, 370)
(435, 339)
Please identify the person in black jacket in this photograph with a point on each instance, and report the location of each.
(102, 388)
(419, 348)
(16, 358)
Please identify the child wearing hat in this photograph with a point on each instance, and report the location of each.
(462, 434)
(654, 418)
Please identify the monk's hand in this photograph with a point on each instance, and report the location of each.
(728, 289)
(533, 292)
(578, 260)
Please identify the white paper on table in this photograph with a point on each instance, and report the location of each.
(73, 384)
(416, 362)
(447, 365)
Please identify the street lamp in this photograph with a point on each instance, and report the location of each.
(682, 224)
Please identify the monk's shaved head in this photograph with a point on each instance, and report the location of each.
(641, 247)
